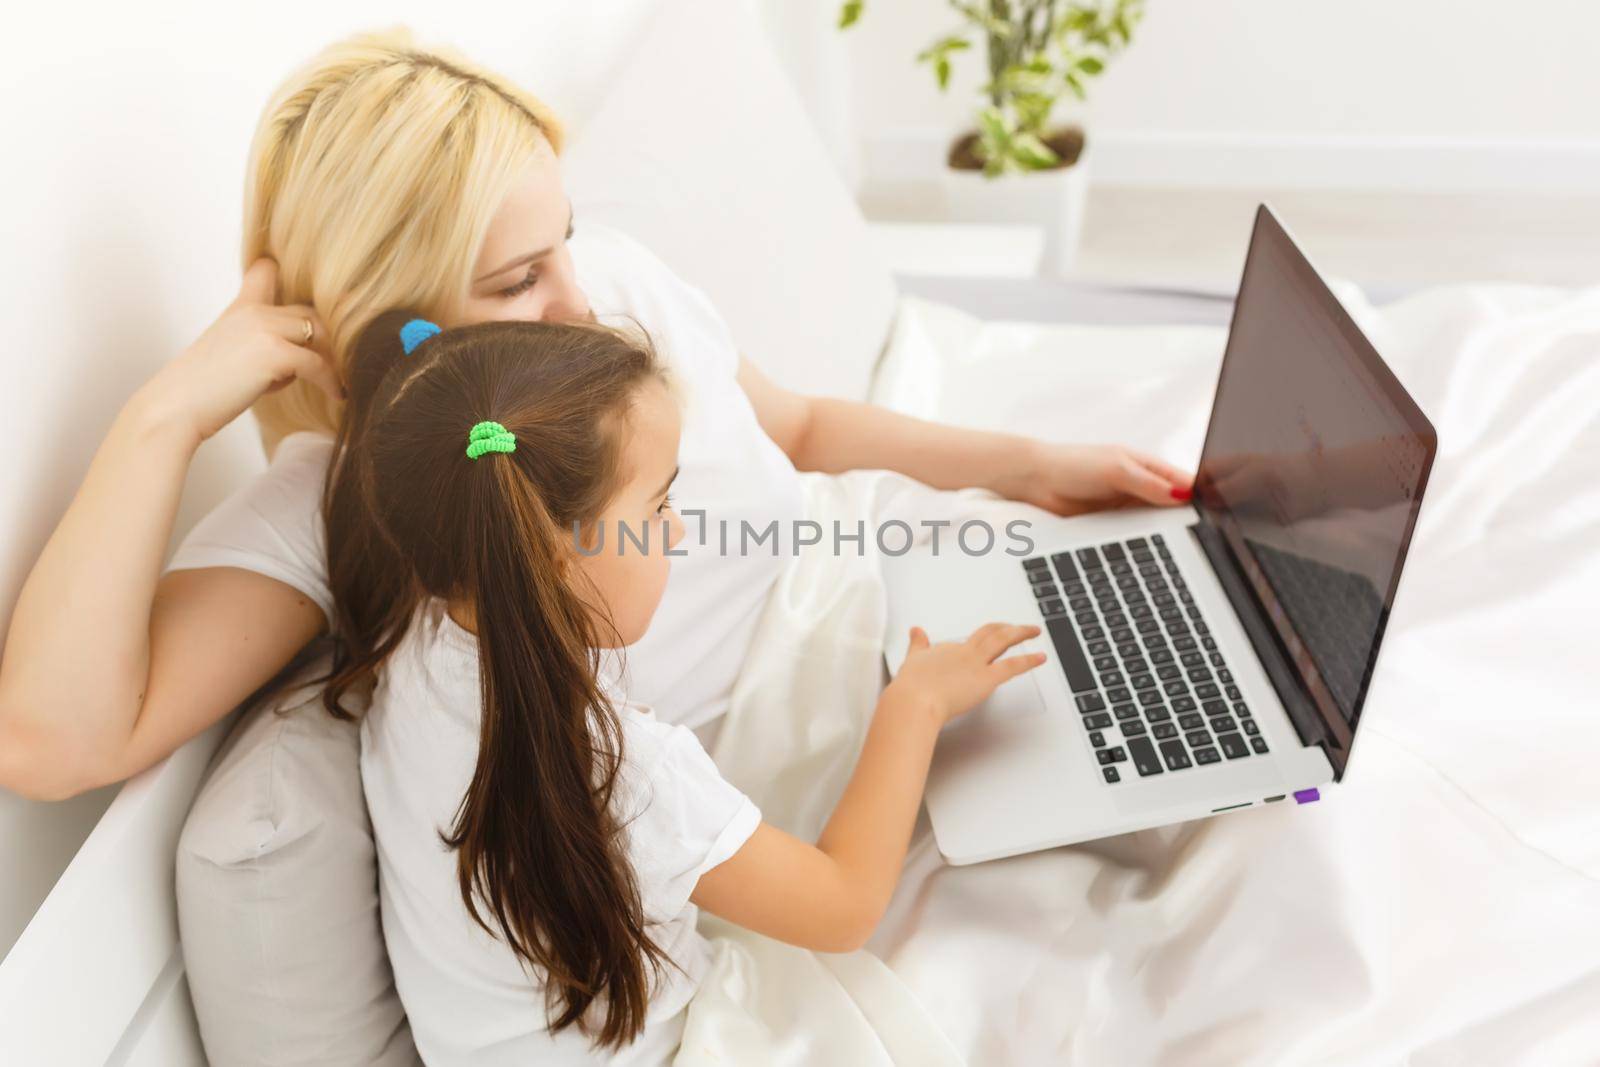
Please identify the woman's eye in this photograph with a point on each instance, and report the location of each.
(666, 502)
(521, 287)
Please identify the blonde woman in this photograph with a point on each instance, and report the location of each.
(386, 175)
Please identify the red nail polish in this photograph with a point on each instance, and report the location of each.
(1180, 493)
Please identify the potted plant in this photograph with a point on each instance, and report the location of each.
(1015, 166)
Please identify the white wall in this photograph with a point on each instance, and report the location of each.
(1373, 93)
(126, 127)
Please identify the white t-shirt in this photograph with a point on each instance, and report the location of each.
(468, 998)
(685, 666)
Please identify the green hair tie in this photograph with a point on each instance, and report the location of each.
(490, 437)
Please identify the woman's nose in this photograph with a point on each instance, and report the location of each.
(567, 303)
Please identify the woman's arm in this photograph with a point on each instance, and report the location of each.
(108, 667)
(833, 435)
(830, 896)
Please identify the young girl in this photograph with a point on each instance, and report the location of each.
(543, 844)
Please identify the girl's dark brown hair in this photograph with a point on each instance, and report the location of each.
(540, 853)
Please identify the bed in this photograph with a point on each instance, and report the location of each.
(1440, 907)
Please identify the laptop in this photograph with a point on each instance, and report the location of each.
(1200, 660)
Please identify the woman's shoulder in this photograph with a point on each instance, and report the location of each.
(300, 461)
(625, 279)
(609, 254)
(272, 524)
(289, 491)
(304, 445)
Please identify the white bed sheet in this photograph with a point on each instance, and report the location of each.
(1442, 905)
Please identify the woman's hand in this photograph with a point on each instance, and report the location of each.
(160, 666)
(953, 677)
(253, 348)
(1074, 479)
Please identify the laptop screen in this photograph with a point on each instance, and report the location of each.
(1313, 469)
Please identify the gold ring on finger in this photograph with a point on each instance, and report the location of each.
(308, 331)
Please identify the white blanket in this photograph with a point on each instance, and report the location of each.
(1441, 906)
(798, 717)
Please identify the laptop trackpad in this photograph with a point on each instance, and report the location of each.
(1015, 699)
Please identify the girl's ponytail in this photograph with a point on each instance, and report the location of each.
(539, 846)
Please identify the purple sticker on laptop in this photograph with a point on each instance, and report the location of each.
(1307, 796)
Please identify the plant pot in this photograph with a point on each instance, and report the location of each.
(1051, 199)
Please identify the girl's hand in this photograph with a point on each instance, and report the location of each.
(1073, 479)
(953, 677)
(253, 348)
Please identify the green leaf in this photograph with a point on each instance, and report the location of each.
(995, 155)
(991, 123)
(1129, 13)
(991, 25)
(1027, 80)
(1090, 65)
(938, 55)
(1076, 86)
(1033, 153)
(1032, 111)
(943, 47)
(994, 122)
(850, 12)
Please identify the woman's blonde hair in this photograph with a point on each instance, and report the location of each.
(373, 176)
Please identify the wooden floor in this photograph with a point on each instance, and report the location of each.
(1197, 237)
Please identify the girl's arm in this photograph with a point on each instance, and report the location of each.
(832, 435)
(107, 666)
(830, 896)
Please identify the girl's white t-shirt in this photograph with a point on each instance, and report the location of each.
(467, 997)
(730, 470)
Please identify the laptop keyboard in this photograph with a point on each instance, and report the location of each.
(1154, 693)
(1334, 611)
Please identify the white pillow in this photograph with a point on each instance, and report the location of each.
(704, 153)
(277, 883)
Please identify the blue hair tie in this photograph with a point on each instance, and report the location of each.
(415, 332)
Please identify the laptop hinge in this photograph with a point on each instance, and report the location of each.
(1269, 650)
